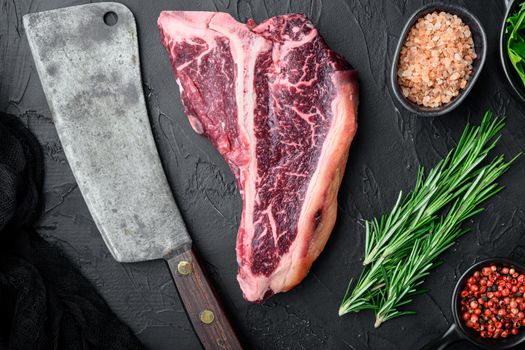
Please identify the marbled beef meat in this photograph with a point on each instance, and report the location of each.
(280, 107)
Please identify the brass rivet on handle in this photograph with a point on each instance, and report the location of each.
(207, 316)
(184, 267)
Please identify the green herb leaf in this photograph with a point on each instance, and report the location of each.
(516, 41)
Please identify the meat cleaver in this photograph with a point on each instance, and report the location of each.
(88, 62)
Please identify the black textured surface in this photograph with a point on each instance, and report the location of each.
(390, 144)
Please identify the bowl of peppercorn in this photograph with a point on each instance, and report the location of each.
(488, 306)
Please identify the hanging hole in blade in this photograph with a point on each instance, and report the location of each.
(110, 18)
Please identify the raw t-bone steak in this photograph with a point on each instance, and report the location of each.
(280, 107)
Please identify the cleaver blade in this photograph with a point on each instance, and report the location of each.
(87, 59)
(91, 78)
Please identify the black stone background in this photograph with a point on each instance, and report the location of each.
(389, 146)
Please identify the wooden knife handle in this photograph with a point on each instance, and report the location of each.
(200, 301)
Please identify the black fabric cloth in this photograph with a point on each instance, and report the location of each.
(45, 303)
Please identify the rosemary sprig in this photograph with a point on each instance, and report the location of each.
(410, 274)
(443, 183)
(401, 248)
